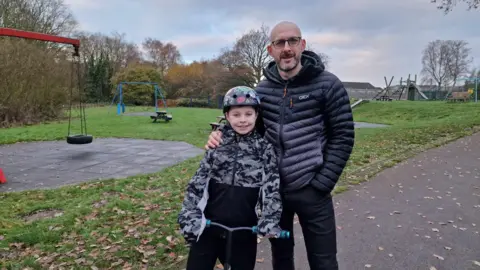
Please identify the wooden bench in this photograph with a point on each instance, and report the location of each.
(215, 125)
(161, 115)
(459, 96)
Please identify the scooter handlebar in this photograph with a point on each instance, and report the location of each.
(254, 229)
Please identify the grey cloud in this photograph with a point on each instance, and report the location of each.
(383, 38)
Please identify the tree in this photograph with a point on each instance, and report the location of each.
(162, 55)
(447, 5)
(323, 56)
(200, 78)
(459, 59)
(98, 72)
(138, 94)
(46, 16)
(251, 50)
(235, 71)
(102, 56)
(435, 62)
(119, 51)
(445, 60)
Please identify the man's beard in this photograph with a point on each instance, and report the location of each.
(286, 55)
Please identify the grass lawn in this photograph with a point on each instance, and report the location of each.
(131, 223)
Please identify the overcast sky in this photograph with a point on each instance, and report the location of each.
(366, 39)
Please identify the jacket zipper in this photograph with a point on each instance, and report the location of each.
(280, 132)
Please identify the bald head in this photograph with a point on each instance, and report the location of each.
(284, 26)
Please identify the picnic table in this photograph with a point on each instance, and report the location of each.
(384, 98)
(161, 115)
(215, 125)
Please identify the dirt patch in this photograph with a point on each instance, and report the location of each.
(43, 214)
(99, 204)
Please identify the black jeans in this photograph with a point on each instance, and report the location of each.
(212, 246)
(317, 218)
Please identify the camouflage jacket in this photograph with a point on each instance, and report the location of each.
(236, 184)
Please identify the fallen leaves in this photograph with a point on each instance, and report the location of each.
(395, 213)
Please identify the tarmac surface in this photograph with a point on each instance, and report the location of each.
(40, 165)
(422, 214)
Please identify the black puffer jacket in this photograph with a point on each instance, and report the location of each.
(309, 120)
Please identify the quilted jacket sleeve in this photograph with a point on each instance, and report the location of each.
(190, 215)
(340, 137)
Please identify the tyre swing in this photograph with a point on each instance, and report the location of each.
(82, 137)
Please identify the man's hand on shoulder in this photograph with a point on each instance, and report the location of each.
(214, 140)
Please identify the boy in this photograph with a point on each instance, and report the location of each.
(237, 184)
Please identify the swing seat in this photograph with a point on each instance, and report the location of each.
(79, 139)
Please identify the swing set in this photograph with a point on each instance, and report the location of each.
(82, 137)
(164, 115)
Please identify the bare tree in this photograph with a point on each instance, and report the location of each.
(323, 56)
(163, 55)
(132, 54)
(120, 52)
(251, 48)
(447, 5)
(235, 71)
(435, 62)
(45, 16)
(230, 59)
(459, 59)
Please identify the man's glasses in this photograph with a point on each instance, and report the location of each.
(292, 42)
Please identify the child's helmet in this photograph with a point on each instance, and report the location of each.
(240, 96)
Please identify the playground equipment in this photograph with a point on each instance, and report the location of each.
(390, 93)
(157, 92)
(221, 120)
(3, 179)
(359, 102)
(476, 80)
(82, 137)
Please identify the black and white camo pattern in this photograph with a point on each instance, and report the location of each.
(256, 165)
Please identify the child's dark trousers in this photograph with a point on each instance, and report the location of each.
(212, 246)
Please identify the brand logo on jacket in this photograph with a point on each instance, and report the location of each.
(303, 97)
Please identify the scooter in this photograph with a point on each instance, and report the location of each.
(254, 229)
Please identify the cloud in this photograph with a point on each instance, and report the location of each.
(330, 39)
(366, 39)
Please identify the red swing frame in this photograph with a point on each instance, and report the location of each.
(9, 32)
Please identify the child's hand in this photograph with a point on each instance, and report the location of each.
(214, 140)
(269, 230)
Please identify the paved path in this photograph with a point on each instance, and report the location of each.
(420, 214)
(53, 164)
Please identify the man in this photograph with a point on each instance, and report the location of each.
(307, 116)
